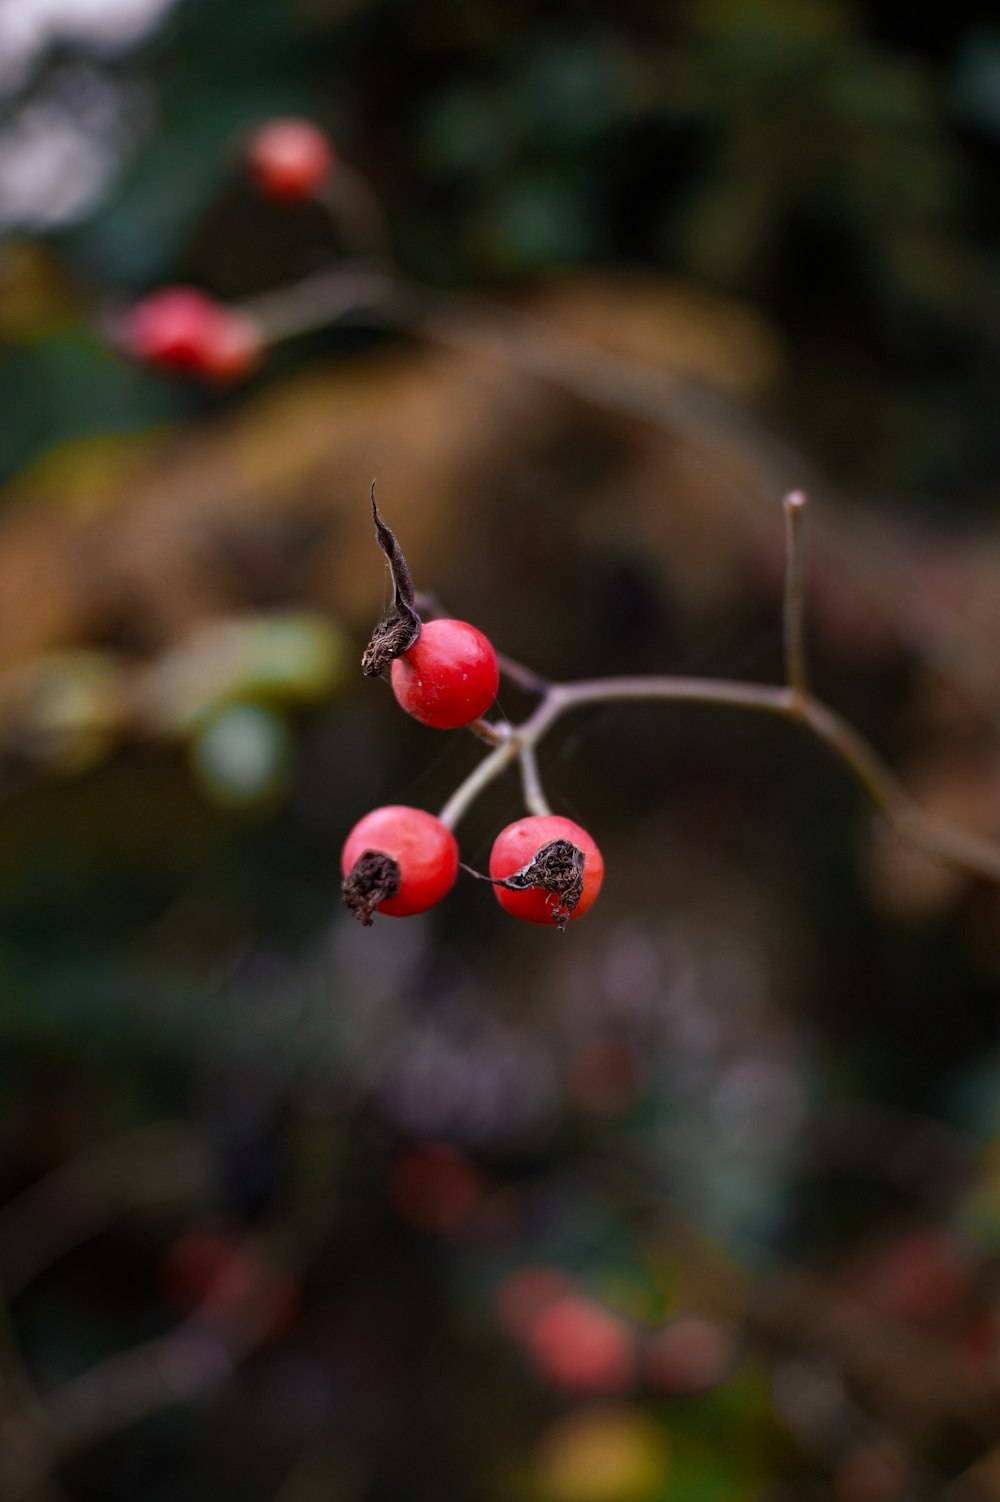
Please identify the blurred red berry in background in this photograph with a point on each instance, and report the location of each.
(875, 1472)
(582, 1347)
(980, 1345)
(435, 1187)
(922, 1277)
(690, 1354)
(290, 158)
(215, 1274)
(182, 329)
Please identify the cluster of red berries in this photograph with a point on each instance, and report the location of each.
(581, 1346)
(399, 860)
(182, 329)
(423, 853)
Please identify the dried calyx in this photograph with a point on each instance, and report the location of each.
(397, 631)
(372, 879)
(557, 868)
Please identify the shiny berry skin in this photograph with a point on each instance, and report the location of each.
(180, 328)
(448, 677)
(518, 844)
(290, 158)
(424, 850)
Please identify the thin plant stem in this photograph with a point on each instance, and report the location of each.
(522, 677)
(355, 212)
(341, 294)
(486, 730)
(531, 782)
(765, 697)
(794, 608)
(953, 846)
(359, 290)
(942, 841)
(560, 697)
(478, 780)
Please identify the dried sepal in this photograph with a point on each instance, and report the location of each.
(556, 867)
(392, 637)
(373, 878)
(399, 629)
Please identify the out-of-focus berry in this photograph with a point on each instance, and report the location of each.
(182, 329)
(290, 158)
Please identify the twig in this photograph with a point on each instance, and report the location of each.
(794, 609)
(123, 1389)
(362, 290)
(531, 782)
(521, 676)
(355, 212)
(26, 1459)
(197, 1356)
(344, 293)
(791, 701)
(486, 730)
(561, 697)
(953, 846)
(151, 1165)
(478, 780)
(978, 857)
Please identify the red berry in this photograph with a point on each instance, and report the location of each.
(448, 677)
(171, 327)
(290, 158)
(219, 1275)
(180, 328)
(235, 348)
(421, 848)
(690, 1354)
(582, 1347)
(516, 847)
(435, 1187)
(922, 1276)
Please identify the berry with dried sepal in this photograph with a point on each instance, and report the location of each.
(449, 676)
(398, 861)
(545, 869)
(290, 158)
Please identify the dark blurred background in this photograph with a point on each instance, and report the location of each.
(699, 1202)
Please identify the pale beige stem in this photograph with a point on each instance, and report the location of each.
(531, 782)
